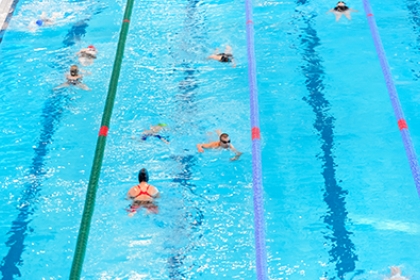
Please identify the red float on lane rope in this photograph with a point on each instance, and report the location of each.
(402, 124)
(256, 133)
(126, 20)
(103, 131)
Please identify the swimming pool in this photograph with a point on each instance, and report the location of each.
(340, 201)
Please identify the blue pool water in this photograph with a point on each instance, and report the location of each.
(340, 200)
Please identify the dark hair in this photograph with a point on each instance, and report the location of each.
(74, 70)
(143, 175)
(223, 135)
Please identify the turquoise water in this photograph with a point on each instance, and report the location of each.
(340, 201)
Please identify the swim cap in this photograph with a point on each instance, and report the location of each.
(143, 175)
(162, 124)
(39, 22)
(91, 47)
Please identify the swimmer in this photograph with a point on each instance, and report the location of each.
(143, 195)
(87, 56)
(74, 79)
(224, 143)
(44, 21)
(223, 57)
(341, 9)
(396, 274)
(153, 131)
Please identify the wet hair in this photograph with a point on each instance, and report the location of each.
(341, 2)
(74, 70)
(223, 135)
(143, 175)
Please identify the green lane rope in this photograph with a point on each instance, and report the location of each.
(82, 239)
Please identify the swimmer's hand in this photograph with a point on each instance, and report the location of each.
(236, 157)
(200, 148)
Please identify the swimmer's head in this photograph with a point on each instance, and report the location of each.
(39, 22)
(74, 70)
(224, 140)
(341, 3)
(91, 47)
(224, 59)
(162, 124)
(143, 175)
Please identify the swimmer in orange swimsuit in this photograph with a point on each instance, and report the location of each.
(143, 195)
(223, 143)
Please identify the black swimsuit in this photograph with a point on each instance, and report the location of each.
(225, 57)
(74, 82)
(341, 9)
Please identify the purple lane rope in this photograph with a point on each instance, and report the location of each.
(257, 186)
(402, 124)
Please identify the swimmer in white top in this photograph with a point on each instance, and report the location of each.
(396, 274)
(87, 56)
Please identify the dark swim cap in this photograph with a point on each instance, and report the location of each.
(224, 59)
(143, 175)
(39, 22)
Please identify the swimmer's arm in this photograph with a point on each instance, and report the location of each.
(128, 196)
(237, 153)
(206, 146)
(353, 10)
(156, 193)
(219, 132)
(164, 140)
(81, 51)
(66, 84)
(233, 62)
(330, 11)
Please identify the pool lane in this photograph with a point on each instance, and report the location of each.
(395, 101)
(342, 250)
(52, 111)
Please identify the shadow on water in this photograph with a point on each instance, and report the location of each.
(191, 221)
(186, 110)
(51, 114)
(342, 251)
